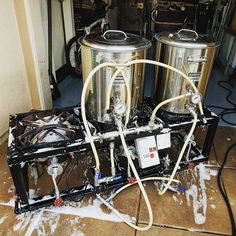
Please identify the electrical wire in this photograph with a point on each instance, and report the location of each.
(223, 190)
(220, 181)
(226, 111)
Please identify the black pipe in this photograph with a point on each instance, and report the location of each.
(63, 22)
(55, 90)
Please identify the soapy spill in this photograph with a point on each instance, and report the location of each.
(48, 218)
(2, 219)
(91, 211)
(213, 206)
(198, 194)
(48, 222)
(22, 221)
(177, 198)
(74, 223)
(195, 182)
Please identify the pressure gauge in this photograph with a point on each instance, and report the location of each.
(196, 98)
(120, 108)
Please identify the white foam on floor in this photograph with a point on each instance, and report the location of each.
(198, 193)
(31, 221)
(2, 219)
(213, 206)
(10, 203)
(23, 220)
(91, 211)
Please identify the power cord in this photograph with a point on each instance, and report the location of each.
(220, 182)
(223, 190)
(226, 111)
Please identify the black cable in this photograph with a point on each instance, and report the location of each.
(223, 190)
(63, 22)
(55, 91)
(226, 111)
(227, 89)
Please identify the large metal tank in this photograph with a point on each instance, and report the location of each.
(189, 52)
(112, 46)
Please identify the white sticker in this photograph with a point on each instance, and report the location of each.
(147, 151)
(163, 141)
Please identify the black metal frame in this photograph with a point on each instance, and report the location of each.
(18, 159)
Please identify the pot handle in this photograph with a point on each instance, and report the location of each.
(115, 31)
(187, 30)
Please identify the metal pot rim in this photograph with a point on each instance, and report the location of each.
(130, 43)
(199, 42)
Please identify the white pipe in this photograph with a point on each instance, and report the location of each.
(106, 203)
(57, 193)
(83, 114)
(138, 182)
(153, 116)
(124, 143)
(142, 180)
(113, 169)
(128, 103)
(182, 151)
(83, 95)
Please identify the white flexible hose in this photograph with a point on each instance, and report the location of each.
(113, 169)
(141, 61)
(138, 182)
(106, 203)
(109, 88)
(57, 192)
(83, 114)
(153, 116)
(182, 151)
(128, 104)
(142, 180)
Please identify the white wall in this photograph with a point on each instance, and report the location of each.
(14, 91)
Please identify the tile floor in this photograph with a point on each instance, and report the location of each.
(172, 215)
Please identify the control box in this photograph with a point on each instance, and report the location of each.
(146, 149)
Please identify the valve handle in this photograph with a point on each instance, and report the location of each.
(58, 202)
